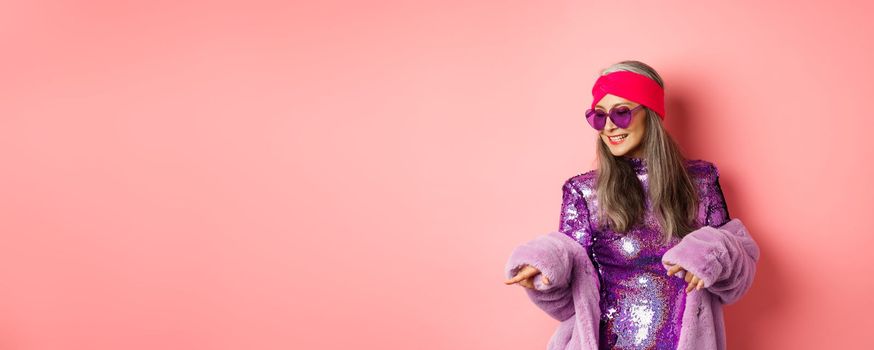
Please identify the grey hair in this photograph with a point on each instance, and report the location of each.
(636, 67)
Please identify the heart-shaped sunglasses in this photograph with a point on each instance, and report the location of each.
(621, 116)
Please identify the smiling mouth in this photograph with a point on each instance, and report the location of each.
(617, 138)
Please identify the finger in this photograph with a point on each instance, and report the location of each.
(692, 284)
(689, 276)
(527, 283)
(689, 287)
(674, 269)
(526, 272)
(511, 280)
(545, 279)
(515, 279)
(700, 284)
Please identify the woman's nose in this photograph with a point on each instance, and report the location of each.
(608, 124)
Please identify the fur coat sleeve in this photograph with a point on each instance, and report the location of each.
(553, 254)
(724, 258)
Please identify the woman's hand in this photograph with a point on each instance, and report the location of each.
(525, 277)
(695, 283)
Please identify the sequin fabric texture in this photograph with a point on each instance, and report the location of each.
(641, 307)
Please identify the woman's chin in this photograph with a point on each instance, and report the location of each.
(617, 151)
(620, 151)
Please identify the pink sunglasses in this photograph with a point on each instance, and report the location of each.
(621, 116)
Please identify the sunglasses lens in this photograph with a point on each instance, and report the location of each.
(621, 116)
(596, 118)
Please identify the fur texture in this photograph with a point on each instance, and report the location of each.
(724, 257)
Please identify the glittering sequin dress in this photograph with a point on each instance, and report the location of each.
(641, 307)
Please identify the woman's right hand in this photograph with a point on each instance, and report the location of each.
(525, 277)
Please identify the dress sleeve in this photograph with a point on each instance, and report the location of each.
(717, 210)
(574, 219)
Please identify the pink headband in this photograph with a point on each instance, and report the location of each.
(631, 86)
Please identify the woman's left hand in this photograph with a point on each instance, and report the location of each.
(695, 283)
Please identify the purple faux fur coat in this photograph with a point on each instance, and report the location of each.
(724, 258)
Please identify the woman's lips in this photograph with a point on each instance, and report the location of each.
(615, 141)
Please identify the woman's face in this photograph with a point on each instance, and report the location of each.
(634, 133)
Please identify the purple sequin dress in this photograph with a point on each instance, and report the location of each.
(641, 306)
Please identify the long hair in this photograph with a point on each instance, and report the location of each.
(672, 194)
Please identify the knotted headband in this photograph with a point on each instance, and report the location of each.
(631, 86)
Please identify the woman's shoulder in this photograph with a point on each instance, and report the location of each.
(702, 170)
(700, 165)
(582, 181)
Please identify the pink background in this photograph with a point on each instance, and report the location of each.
(266, 175)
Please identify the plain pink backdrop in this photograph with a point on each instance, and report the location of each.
(333, 175)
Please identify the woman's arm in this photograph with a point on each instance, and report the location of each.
(724, 258)
(574, 220)
(717, 209)
(554, 255)
(721, 253)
